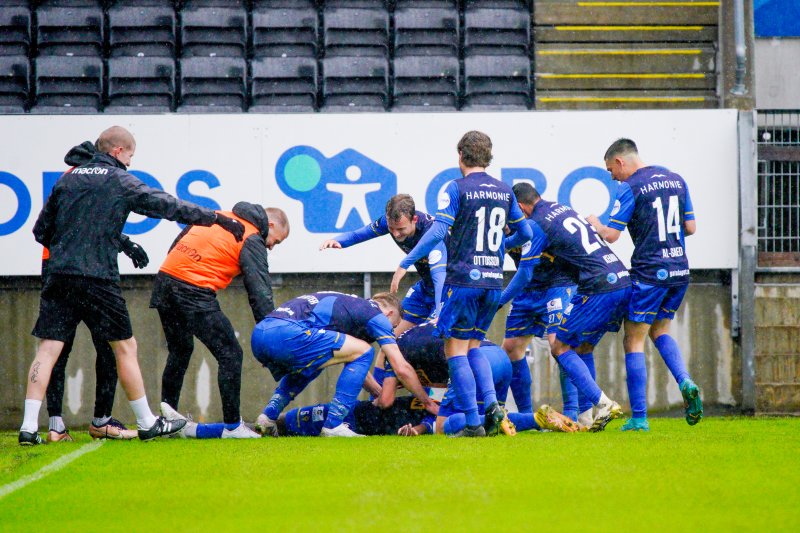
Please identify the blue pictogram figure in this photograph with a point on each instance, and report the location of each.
(340, 193)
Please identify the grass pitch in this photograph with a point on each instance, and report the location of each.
(726, 474)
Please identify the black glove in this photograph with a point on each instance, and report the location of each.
(232, 225)
(136, 253)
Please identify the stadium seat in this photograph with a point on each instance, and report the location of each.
(426, 83)
(210, 32)
(284, 32)
(68, 85)
(426, 31)
(214, 3)
(70, 31)
(284, 84)
(14, 83)
(145, 3)
(496, 31)
(140, 84)
(356, 31)
(213, 84)
(355, 83)
(71, 3)
(502, 4)
(497, 82)
(141, 31)
(294, 4)
(15, 31)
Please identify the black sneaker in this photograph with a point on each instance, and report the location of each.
(470, 431)
(161, 427)
(494, 417)
(26, 438)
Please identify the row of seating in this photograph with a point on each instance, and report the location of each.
(294, 29)
(273, 84)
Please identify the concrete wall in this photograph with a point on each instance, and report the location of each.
(778, 348)
(702, 329)
(777, 73)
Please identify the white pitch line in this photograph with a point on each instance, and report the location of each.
(55, 466)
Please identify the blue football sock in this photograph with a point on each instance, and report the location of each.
(379, 374)
(348, 387)
(671, 354)
(289, 387)
(454, 423)
(580, 376)
(521, 385)
(210, 431)
(636, 371)
(569, 395)
(484, 381)
(463, 383)
(523, 421)
(585, 403)
(231, 427)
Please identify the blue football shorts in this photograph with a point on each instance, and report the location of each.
(589, 316)
(467, 313)
(653, 302)
(537, 313)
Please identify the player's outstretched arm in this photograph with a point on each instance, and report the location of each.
(345, 240)
(408, 377)
(426, 244)
(330, 243)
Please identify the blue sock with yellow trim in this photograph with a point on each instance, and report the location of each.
(569, 395)
(580, 375)
(288, 388)
(521, 385)
(463, 383)
(348, 387)
(585, 403)
(671, 354)
(484, 381)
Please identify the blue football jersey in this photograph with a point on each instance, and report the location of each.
(565, 234)
(424, 265)
(549, 272)
(653, 204)
(477, 207)
(340, 312)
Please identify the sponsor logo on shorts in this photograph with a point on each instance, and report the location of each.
(554, 305)
(662, 274)
(318, 413)
(474, 274)
(611, 278)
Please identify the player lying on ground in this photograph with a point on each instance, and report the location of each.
(305, 335)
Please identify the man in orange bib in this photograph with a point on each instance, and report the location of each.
(200, 262)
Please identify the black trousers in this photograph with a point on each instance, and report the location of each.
(106, 387)
(215, 331)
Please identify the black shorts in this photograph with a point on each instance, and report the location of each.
(68, 300)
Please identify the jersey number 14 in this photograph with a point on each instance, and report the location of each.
(670, 224)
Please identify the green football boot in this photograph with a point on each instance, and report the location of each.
(636, 424)
(691, 401)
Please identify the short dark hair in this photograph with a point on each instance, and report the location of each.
(621, 147)
(400, 205)
(475, 148)
(389, 299)
(525, 193)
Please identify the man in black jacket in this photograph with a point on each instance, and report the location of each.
(81, 224)
(201, 262)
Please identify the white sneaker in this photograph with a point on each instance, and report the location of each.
(241, 432)
(607, 411)
(266, 426)
(342, 430)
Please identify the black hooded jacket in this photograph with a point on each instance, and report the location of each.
(82, 221)
(253, 262)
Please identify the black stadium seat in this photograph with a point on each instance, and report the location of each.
(284, 84)
(70, 31)
(497, 82)
(141, 31)
(68, 84)
(426, 31)
(356, 32)
(141, 85)
(213, 84)
(284, 32)
(213, 32)
(355, 83)
(496, 31)
(15, 31)
(426, 83)
(14, 83)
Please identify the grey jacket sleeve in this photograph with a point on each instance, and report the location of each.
(155, 203)
(254, 264)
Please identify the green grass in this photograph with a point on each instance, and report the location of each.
(724, 474)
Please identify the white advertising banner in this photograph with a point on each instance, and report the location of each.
(334, 173)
